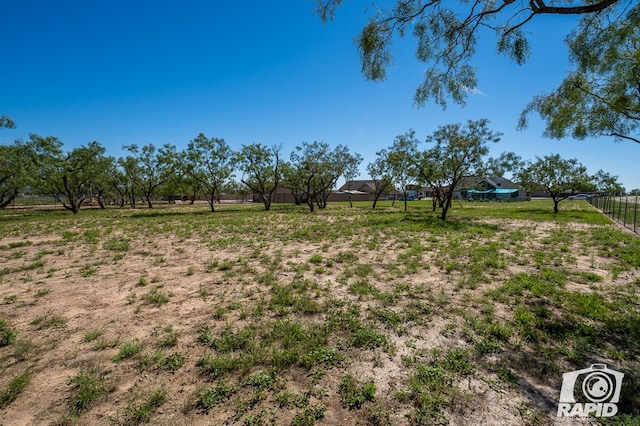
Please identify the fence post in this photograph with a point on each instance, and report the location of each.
(625, 210)
(635, 216)
(619, 207)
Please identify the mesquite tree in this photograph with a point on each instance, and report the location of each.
(262, 169)
(558, 176)
(458, 152)
(148, 167)
(211, 163)
(314, 170)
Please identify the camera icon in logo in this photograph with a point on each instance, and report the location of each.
(590, 391)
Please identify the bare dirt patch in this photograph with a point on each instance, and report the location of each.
(382, 299)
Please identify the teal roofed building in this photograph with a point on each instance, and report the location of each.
(489, 189)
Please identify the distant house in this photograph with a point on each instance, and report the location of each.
(366, 189)
(495, 188)
(358, 186)
(356, 190)
(540, 191)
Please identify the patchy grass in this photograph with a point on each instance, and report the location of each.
(353, 395)
(7, 335)
(347, 315)
(15, 387)
(127, 351)
(138, 413)
(87, 387)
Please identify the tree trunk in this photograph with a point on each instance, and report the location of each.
(211, 201)
(443, 216)
(322, 202)
(100, 198)
(74, 205)
(5, 203)
(267, 203)
(555, 205)
(446, 205)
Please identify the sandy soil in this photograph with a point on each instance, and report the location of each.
(83, 287)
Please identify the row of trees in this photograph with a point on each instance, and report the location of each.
(208, 166)
(455, 152)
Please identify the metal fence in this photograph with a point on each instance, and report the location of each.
(621, 208)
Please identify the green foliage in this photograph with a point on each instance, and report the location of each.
(6, 122)
(92, 335)
(600, 97)
(162, 361)
(136, 414)
(556, 175)
(354, 395)
(432, 385)
(156, 296)
(7, 335)
(167, 336)
(116, 244)
(208, 398)
(148, 167)
(262, 170)
(46, 321)
(458, 151)
(14, 388)
(77, 173)
(87, 387)
(127, 351)
(361, 334)
(309, 415)
(214, 366)
(210, 163)
(314, 170)
(26, 164)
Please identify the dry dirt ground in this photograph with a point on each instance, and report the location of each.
(74, 298)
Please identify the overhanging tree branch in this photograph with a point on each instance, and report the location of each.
(539, 7)
(619, 135)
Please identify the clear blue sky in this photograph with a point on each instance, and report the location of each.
(125, 72)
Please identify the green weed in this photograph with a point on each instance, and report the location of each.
(88, 386)
(136, 414)
(7, 335)
(208, 398)
(352, 394)
(14, 388)
(92, 335)
(127, 351)
(156, 297)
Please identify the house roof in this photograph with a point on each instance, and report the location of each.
(358, 185)
(494, 191)
(470, 182)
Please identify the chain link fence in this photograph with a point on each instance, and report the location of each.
(621, 208)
